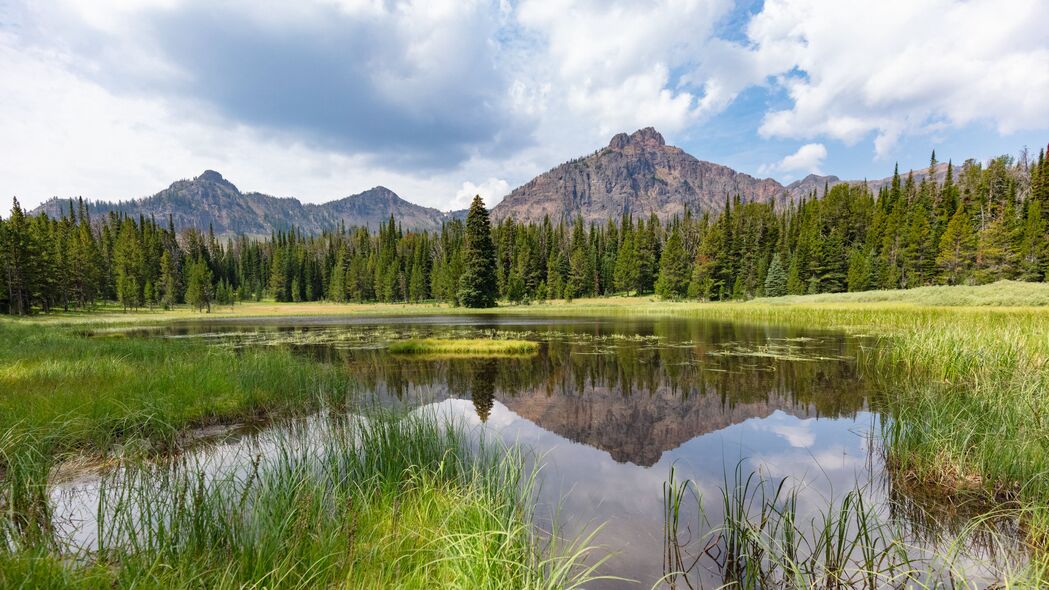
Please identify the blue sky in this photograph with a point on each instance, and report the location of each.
(441, 99)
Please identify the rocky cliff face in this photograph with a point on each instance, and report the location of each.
(210, 200)
(638, 174)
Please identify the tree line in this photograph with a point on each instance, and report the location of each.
(982, 223)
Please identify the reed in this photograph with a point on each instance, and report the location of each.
(764, 540)
(382, 501)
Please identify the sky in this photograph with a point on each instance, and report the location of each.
(443, 99)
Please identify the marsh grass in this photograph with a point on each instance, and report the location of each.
(382, 501)
(65, 395)
(765, 540)
(464, 347)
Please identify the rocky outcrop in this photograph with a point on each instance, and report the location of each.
(637, 174)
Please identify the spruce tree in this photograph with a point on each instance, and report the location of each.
(19, 262)
(477, 285)
(957, 248)
(199, 286)
(776, 279)
(673, 268)
(625, 276)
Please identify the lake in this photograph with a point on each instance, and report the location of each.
(607, 408)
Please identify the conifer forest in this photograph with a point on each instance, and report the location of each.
(983, 223)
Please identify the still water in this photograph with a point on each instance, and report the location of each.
(607, 407)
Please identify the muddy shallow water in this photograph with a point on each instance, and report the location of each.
(608, 407)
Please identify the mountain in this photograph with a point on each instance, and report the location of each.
(210, 200)
(640, 174)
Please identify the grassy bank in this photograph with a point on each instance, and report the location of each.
(65, 392)
(389, 501)
(464, 347)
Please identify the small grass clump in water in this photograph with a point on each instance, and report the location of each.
(464, 347)
(386, 501)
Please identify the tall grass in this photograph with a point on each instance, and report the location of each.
(386, 501)
(764, 540)
(64, 394)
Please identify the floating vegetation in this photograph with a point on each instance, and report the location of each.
(780, 352)
(464, 347)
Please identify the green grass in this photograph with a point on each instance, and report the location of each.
(1000, 294)
(73, 393)
(764, 540)
(387, 501)
(464, 347)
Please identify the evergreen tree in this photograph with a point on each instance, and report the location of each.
(673, 268)
(776, 279)
(957, 249)
(625, 276)
(1033, 250)
(19, 262)
(477, 285)
(199, 286)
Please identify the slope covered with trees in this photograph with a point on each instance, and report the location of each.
(980, 224)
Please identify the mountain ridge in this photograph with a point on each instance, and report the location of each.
(210, 201)
(637, 174)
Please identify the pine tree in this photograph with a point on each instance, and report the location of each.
(477, 285)
(673, 268)
(1033, 247)
(776, 279)
(957, 249)
(199, 286)
(625, 276)
(646, 255)
(19, 262)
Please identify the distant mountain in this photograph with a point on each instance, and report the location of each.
(211, 200)
(640, 174)
(637, 174)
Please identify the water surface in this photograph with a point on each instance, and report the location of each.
(609, 406)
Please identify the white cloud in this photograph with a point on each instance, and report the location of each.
(111, 99)
(807, 159)
(613, 60)
(491, 191)
(70, 136)
(902, 67)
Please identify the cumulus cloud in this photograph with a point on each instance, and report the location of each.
(491, 191)
(807, 159)
(323, 98)
(858, 68)
(614, 59)
(412, 82)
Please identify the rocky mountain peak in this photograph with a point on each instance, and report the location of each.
(211, 176)
(642, 138)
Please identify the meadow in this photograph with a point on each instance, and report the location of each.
(962, 373)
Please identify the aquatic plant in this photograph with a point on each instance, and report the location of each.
(473, 346)
(383, 500)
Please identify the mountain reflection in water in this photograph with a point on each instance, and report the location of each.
(609, 406)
